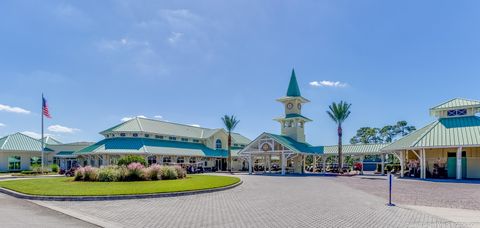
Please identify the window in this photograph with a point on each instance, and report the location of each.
(218, 144)
(172, 138)
(135, 135)
(235, 145)
(184, 139)
(457, 112)
(192, 160)
(147, 136)
(14, 162)
(180, 160)
(122, 134)
(158, 136)
(152, 160)
(196, 141)
(35, 161)
(107, 136)
(167, 159)
(461, 112)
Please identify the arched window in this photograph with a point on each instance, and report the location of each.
(218, 144)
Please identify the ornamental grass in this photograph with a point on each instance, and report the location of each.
(133, 172)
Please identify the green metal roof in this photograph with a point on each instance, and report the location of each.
(296, 146)
(65, 153)
(445, 132)
(51, 141)
(20, 142)
(150, 146)
(168, 128)
(295, 115)
(352, 149)
(456, 103)
(293, 90)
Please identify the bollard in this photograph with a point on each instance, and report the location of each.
(390, 204)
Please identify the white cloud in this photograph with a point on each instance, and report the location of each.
(325, 83)
(127, 118)
(194, 125)
(174, 37)
(2, 125)
(158, 117)
(123, 43)
(62, 129)
(32, 134)
(7, 108)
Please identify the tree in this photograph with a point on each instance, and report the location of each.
(366, 135)
(339, 113)
(403, 129)
(230, 123)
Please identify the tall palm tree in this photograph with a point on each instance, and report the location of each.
(339, 113)
(230, 123)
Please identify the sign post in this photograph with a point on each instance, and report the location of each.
(390, 177)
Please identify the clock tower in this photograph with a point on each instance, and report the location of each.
(293, 123)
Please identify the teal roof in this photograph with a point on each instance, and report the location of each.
(150, 146)
(456, 103)
(20, 142)
(65, 153)
(355, 149)
(296, 146)
(293, 90)
(168, 128)
(295, 115)
(445, 132)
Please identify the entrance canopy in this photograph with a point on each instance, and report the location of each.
(268, 143)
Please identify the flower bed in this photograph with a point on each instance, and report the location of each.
(133, 172)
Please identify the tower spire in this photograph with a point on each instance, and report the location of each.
(293, 90)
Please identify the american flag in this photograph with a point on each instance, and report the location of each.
(45, 108)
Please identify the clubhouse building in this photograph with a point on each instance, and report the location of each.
(449, 147)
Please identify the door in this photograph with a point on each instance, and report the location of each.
(452, 164)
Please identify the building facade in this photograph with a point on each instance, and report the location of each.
(167, 143)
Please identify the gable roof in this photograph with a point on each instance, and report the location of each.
(296, 146)
(445, 132)
(168, 128)
(293, 90)
(456, 103)
(20, 142)
(50, 140)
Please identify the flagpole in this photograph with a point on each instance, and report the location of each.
(43, 143)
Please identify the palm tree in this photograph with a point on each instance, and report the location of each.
(230, 123)
(339, 113)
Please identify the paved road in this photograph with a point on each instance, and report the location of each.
(423, 193)
(21, 213)
(262, 201)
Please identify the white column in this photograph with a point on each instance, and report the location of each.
(424, 164)
(459, 163)
(314, 163)
(383, 164)
(402, 163)
(362, 157)
(265, 164)
(303, 163)
(283, 163)
(250, 164)
(324, 164)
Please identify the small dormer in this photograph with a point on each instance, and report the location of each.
(457, 107)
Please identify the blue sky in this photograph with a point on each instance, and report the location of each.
(193, 61)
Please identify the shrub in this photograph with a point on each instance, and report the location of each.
(27, 172)
(169, 173)
(122, 173)
(129, 159)
(108, 174)
(90, 173)
(135, 171)
(79, 174)
(154, 172)
(38, 169)
(54, 168)
(181, 172)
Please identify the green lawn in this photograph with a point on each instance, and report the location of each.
(63, 186)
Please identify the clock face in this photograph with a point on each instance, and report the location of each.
(266, 147)
(289, 105)
(299, 106)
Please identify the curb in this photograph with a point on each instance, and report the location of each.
(114, 197)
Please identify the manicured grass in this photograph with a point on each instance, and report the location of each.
(63, 186)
